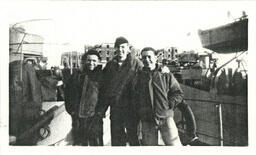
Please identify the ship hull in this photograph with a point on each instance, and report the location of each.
(229, 38)
(220, 119)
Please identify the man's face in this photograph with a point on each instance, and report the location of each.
(122, 51)
(91, 61)
(149, 59)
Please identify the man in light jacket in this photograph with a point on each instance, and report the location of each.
(157, 94)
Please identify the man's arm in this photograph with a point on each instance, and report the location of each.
(103, 103)
(175, 94)
(135, 93)
(70, 93)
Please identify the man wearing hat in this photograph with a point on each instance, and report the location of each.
(118, 76)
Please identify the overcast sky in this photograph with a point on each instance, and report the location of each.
(156, 24)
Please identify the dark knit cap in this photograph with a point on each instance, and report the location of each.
(119, 41)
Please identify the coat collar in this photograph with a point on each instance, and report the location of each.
(96, 70)
(157, 68)
(129, 57)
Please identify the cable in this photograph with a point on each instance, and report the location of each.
(27, 21)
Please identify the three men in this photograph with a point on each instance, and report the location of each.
(116, 93)
(133, 93)
(157, 95)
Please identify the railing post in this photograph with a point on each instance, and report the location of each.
(220, 123)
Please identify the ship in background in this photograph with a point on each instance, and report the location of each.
(216, 95)
(33, 109)
(24, 46)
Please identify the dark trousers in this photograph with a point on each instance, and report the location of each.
(124, 129)
(83, 135)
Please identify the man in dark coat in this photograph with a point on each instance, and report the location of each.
(81, 100)
(116, 93)
(157, 95)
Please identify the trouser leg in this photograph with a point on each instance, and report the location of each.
(93, 141)
(131, 128)
(75, 131)
(149, 134)
(96, 138)
(96, 141)
(169, 133)
(83, 130)
(117, 133)
(100, 136)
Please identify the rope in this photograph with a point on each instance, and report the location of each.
(53, 144)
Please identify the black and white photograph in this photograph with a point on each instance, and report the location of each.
(115, 74)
